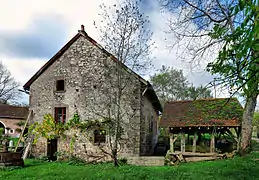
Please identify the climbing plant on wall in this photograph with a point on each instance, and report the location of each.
(50, 129)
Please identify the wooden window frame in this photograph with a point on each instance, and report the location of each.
(63, 114)
(99, 138)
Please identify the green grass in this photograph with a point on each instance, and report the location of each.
(238, 168)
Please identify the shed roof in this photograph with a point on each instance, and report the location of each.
(14, 112)
(203, 112)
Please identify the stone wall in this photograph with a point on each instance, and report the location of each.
(40, 148)
(149, 127)
(83, 67)
(78, 144)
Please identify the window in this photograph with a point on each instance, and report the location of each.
(60, 115)
(105, 62)
(60, 85)
(99, 136)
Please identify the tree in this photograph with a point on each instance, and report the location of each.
(123, 33)
(230, 28)
(200, 92)
(170, 84)
(237, 62)
(8, 85)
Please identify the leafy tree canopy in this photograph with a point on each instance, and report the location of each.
(170, 85)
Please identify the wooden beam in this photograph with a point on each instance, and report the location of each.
(171, 142)
(191, 154)
(212, 142)
(182, 142)
(194, 142)
(24, 127)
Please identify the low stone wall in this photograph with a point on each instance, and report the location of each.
(146, 160)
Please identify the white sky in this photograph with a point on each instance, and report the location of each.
(18, 16)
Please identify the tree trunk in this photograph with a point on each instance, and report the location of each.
(115, 158)
(247, 128)
(115, 161)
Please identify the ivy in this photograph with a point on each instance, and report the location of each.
(50, 129)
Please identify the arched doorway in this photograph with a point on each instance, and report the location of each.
(2, 126)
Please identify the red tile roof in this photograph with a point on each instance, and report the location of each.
(15, 112)
(203, 112)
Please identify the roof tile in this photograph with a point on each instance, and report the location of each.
(203, 112)
(16, 112)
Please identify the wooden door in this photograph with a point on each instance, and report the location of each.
(52, 148)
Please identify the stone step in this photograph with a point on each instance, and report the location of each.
(146, 160)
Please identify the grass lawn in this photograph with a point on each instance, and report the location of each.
(237, 168)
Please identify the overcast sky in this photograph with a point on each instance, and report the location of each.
(32, 31)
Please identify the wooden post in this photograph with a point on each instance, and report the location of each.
(194, 142)
(182, 142)
(24, 127)
(238, 137)
(171, 142)
(212, 143)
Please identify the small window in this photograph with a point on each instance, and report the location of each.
(99, 136)
(105, 62)
(60, 85)
(60, 115)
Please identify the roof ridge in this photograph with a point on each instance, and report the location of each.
(10, 105)
(204, 99)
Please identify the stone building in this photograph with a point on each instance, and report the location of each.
(10, 118)
(74, 81)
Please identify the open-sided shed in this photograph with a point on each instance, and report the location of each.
(213, 116)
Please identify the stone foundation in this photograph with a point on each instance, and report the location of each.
(146, 160)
